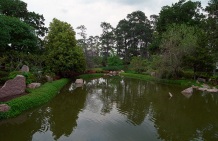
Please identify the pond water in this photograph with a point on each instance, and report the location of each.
(118, 109)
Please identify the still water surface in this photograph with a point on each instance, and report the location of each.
(118, 109)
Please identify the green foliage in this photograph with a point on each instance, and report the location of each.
(13, 8)
(114, 61)
(18, 9)
(14, 60)
(178, 41)
(155, 44)
(107, 41)
(62, 52)
(166, 81)
(34, 99)
(113, 68)
(3, 77)
(188, 74)
(138, 64)
(28, 75)
(97, 70)
(182, 12)
(201, 60)
(211, 27)
(133, 35)
(16, 35)
(214, 80)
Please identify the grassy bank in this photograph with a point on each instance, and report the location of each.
(183, 82)
(35, 98)
(91, 76)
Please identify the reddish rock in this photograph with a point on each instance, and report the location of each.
(4, 108)
(201, 80)
(188, 91)
(49, 78)
(13, 87)
(212, 90)
(25, 68)
(202, 89)
(79, 81)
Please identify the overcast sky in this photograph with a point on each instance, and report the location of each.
(92, 12)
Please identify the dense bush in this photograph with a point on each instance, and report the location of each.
(138, 64)
(3, 77)
(114, 61)
(113, 68)
(36, 98)
(214, 80)
(28, 75)
(188, 74)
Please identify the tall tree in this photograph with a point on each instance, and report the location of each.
(177, 42)
(83, 41)
(121, 33)
(13, 8)
(107, 41)
(18, 9)
(181, 12)
(63, 54)
(16, 35)
(133, 35)
(93, 55)
(212, 26)
(140, 29)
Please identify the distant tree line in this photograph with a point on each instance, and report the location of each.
(182, 37)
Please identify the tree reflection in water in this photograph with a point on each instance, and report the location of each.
(133, 108)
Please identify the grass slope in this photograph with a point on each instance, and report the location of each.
(35, 98)
(183, 82)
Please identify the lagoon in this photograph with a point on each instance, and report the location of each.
(118, 109)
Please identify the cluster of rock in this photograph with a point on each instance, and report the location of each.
(112, 73)
(16, 86)
(188, 92)
(206, 88)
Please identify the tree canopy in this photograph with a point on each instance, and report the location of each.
(63, 54)
(16, 35)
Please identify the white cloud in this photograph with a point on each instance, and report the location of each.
(92, 12)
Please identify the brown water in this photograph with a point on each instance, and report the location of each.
(118, 109)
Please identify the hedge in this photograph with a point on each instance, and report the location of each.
(35, 98)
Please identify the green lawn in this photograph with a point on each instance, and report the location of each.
(35, 98)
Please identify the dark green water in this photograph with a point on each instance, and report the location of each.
(118, 109)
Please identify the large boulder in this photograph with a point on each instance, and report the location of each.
(187, 91)
(79, 81)
(202, 80)
(13, 87)
(25, 68)
(49, 78)
(4, 108)
(214, 90)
